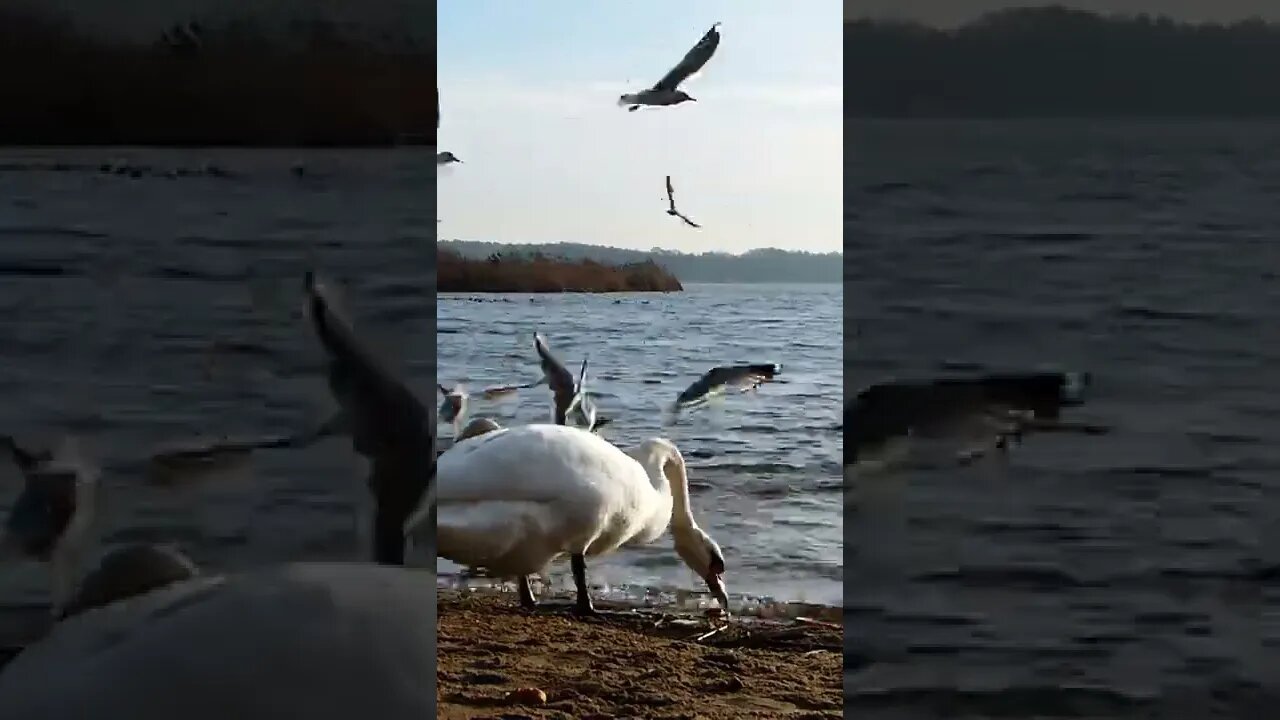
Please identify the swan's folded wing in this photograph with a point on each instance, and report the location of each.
(540, 463)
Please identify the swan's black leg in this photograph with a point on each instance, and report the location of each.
(579, 565)
(527, 600)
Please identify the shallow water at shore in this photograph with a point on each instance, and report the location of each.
(764, 467)
(137, 312)
(1126, 575)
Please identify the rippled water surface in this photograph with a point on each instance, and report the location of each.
(140, 311)
(764, 466)
(1127, 575)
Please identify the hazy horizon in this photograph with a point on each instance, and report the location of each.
(742, 251)
(528, 101)
(951, 13)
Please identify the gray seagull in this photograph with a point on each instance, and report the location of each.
(671, 205)
(717, 379)
(666, 91)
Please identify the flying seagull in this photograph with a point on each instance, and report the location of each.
(498, 391)
(446, 157)
(51, 518)
(666, 91)
(671, 203)
(991, 411)
(717, 379)
(454, 404)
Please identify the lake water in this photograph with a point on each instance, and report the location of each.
(764, 466)
(1128, 575)
(139, 311)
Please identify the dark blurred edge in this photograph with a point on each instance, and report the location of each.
(430, 387)
(215, 82)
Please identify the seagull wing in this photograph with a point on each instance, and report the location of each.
(385, 416)
(498, 390)
(692, 62)
(25, 459)
(671, 195)
(558, 378)
(701, 388)
(687, 221)
(582, 377)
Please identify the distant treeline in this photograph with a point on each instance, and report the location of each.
(768, 265)
(539, 273)
(1054, 61)
(234, 84)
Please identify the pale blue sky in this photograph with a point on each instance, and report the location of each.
(528, 100)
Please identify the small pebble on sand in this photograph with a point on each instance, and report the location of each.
(527, 696)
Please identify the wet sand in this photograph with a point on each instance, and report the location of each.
(638, 664)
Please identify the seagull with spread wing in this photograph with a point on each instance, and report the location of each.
(666, 91)
(564, 390)
(986, 413)
(717, 379)
(572, 402)
(671, 206)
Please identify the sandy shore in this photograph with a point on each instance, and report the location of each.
(638, 665)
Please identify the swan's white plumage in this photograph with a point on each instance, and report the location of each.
(512, 500)
(306, 640)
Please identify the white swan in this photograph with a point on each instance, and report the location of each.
(306, 640)
(512, 500)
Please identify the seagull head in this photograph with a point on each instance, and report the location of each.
(447, 157)
(682, 96)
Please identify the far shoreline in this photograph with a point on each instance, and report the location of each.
(540, 274)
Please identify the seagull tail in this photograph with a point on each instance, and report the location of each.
(628, 99)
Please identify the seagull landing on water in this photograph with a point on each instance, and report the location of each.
(446, 157)
(985, 413)
(666, 91)
(671, 206)
(714, 382)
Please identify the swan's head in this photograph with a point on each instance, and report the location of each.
(479, 426)
(696, 548)
(57, 488)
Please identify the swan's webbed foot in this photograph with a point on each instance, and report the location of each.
(527, 600)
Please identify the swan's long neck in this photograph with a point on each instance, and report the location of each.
(665, 466)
